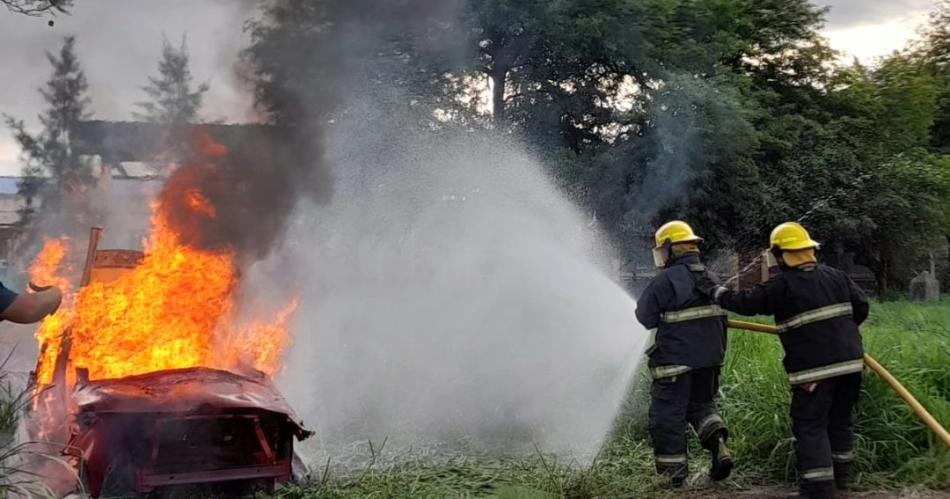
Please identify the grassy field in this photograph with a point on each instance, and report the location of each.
(895, 452)
(11, 404)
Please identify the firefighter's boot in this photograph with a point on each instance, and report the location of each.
(814, 490)
(721, 458)
(803, 495)
(843, 476)
(677, 473)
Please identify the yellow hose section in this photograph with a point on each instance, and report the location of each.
(869, 361)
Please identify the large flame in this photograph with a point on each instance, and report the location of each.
(174, 310)
(51, 268)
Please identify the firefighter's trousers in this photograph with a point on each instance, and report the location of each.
(823, 425)
(676, 401)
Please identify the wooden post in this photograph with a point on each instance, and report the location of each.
(768, 261)
(734, 271)
(94, 234)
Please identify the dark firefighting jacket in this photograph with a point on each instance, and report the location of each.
(817, 311)
(687, 329)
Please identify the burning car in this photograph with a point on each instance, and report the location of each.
(147, 380)
(182, 428)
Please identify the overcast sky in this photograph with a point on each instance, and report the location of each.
(119, 43)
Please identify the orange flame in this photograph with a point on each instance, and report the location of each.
(50, 268)
(199, 203)
(176, 309)
(47, 269)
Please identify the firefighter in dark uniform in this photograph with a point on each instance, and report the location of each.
(688, 343)
(817, 310)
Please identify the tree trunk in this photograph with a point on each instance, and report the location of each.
(499, 76)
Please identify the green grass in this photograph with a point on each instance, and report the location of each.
(912, 341)
(15, 479)
(11, 404)
(894, 449)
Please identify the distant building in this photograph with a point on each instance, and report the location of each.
(124, 202)
(126, 206)
(120, 152)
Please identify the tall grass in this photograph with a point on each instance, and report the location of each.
(15, 477)
(11, 405)
(894, 449)
(911, 340)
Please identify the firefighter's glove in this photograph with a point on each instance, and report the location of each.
(707, 286)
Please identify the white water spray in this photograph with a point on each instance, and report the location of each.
(452, 298)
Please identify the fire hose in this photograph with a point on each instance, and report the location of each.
(888, 378)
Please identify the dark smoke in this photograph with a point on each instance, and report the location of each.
(304, 62)
(239, 189)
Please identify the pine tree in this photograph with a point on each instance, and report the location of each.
(172, 100)
(52, 170)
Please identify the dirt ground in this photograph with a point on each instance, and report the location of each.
(773, 492)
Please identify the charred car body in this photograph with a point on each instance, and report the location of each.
(227, 431)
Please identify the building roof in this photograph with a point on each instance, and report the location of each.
(8, 185)
(134, 141)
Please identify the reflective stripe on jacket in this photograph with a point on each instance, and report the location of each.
(688, 328)
(817, 310)
(693, 313)
(816, 315)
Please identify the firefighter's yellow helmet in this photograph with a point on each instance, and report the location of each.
(791, 236)
(675, 232)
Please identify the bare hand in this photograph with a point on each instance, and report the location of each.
(37, 288)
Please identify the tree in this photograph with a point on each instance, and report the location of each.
(305, 55)
(564, 74)
(172, 100)
(296, 62)
(730, 113)
(174, 104)
(936, 40)
(53, 172)
(709, 133)
(908, 95)
(37, 7)
(935, 52)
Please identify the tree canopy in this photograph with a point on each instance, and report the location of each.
(733, 114)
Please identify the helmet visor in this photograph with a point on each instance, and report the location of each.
(770, 260)
(660, 257)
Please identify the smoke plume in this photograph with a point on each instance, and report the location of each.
(239, 196)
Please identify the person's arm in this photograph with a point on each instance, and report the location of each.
(860, 306)
(29, 307)
(649, 309)
(755, 301)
